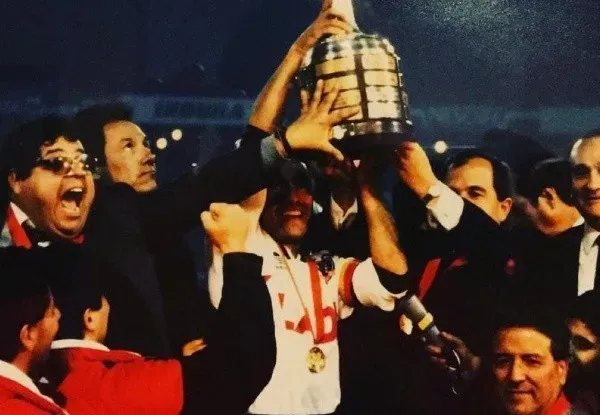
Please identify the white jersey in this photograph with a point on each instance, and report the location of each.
(293, 389)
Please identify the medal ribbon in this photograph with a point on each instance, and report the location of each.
(315, 285)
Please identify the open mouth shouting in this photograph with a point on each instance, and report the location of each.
(71, 199)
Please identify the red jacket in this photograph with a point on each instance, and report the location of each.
(117, 382)
(16, 399)
(561, 407)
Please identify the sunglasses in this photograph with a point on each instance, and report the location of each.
(63, 165)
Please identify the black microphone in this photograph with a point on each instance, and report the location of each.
(414, 309)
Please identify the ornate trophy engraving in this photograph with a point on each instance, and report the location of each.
(367, 70)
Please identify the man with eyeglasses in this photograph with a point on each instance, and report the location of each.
(50, 185)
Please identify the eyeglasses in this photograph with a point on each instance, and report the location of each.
(63, 165)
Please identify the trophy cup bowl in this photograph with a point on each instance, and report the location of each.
(367, 72)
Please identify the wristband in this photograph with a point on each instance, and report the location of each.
(280, 135)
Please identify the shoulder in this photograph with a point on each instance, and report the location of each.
(15, 405)
(114, 191)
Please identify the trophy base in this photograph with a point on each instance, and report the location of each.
(357, 147)
(368, 137)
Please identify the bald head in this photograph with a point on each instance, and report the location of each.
(585, 163)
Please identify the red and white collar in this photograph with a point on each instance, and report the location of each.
(78, 343)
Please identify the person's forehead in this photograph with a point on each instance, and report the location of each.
(522, 340)
(476, 170)
(62, 145)
(122, 129)
(586, 151)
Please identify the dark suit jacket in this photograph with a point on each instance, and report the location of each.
(126, 229)
(548, 268)
(468, 265)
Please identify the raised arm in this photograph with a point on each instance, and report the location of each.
(383, 236)
(271, 100)
(243, 172)
(240, 355)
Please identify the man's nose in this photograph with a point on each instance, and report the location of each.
(594, 182)
(517, 372)
(78, 168)
(149, 157)
(299, 195)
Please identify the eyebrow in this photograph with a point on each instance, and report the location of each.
(532, 356)
(579, 166)
(525, 355)
(132, 138)
(61, 150)
(477, 188)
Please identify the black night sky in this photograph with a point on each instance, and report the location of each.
(519, 53)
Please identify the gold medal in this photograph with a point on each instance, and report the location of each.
(316, 360)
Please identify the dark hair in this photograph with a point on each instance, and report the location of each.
(586, 309)
(22, 146)
(521, 314)
(591, 134)
(89, 123)
(24, 295)
(554, 173)
(502, 176)
(80, 286)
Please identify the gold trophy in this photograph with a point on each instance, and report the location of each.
(367, 71)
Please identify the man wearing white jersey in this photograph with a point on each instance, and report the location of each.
(310, 293)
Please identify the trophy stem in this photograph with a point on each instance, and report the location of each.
(346, 8)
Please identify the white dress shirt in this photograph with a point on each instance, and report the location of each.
(339, 218)
(588, 255)
(445, 210)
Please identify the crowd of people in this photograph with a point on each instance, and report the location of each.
(322, 298)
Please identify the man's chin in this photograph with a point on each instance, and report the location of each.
(67, 232)
(145, 187)
(518, 405)
(291, 237)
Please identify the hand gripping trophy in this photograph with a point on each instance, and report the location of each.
(367, 72)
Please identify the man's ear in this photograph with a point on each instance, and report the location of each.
(89, 320)
(28, 336)
(563, 371)
(505, 207)
(14, 183)
(550, 195)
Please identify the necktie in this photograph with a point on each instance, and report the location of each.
(36, 237)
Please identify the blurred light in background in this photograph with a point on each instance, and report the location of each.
(161, 143)
(176, 134)
(440, 147)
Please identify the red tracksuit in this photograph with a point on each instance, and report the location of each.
(117, 382)
(16, 399)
